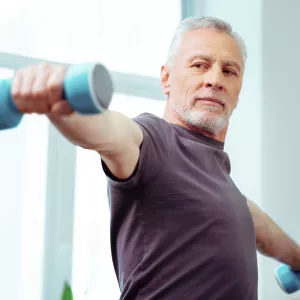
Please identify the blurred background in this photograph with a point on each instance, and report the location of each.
(54, 214)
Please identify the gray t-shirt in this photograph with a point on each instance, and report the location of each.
(180, 228)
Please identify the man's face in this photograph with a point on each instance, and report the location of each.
(204, 81)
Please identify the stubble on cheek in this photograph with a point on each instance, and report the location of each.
(185, 92)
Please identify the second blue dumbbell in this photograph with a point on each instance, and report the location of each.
(88, 88)
(288, 279)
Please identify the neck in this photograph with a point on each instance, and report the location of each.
(220, 136)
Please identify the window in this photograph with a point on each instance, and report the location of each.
(128, 36)
(23, 165)
(93, 271)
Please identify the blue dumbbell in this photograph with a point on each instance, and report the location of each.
(288, 279)
(87, 87)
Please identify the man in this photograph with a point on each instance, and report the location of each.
(180, 228)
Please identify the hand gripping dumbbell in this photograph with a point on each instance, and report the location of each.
(87, 87)
(288, 279)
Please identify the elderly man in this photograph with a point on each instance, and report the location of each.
(180, 228)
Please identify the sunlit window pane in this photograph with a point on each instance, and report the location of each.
(23, 168)
(130, 36)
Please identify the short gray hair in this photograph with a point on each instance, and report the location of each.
(193, 23)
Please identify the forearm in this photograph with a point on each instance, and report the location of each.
(272, 241)
(102, 132)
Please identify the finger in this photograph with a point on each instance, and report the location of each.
(55, 84)
(16, 84)
(25, 98)
(28, 77)
(40, 83)
(16, 91)
(21, 90)
(61, 108)
(39, 91)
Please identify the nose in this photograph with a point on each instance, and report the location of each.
(214, 80)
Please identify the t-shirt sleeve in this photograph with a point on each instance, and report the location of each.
(154, 152)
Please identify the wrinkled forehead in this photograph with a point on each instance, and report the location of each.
(211, 43)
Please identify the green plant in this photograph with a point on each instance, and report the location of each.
(67, 292)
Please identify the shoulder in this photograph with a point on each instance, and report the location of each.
(153, 151)
(150, 119)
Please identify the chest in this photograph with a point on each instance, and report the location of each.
(195, 181)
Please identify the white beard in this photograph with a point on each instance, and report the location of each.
(208, 122)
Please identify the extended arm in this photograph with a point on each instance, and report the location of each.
(114, 136)
(272, 241)
(38, 89)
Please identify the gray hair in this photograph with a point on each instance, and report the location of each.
(193, 23)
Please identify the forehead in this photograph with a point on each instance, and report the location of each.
(210, 42)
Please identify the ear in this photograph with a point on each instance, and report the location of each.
(164, 79)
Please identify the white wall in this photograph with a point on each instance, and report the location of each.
(281, 106)
(262, 135)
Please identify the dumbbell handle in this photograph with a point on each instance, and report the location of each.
(288, 279)
(88, 89)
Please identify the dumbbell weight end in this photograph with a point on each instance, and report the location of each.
(10, 117)
(288, 279)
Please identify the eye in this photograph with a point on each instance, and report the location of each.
(229, 72)
(200, 66)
